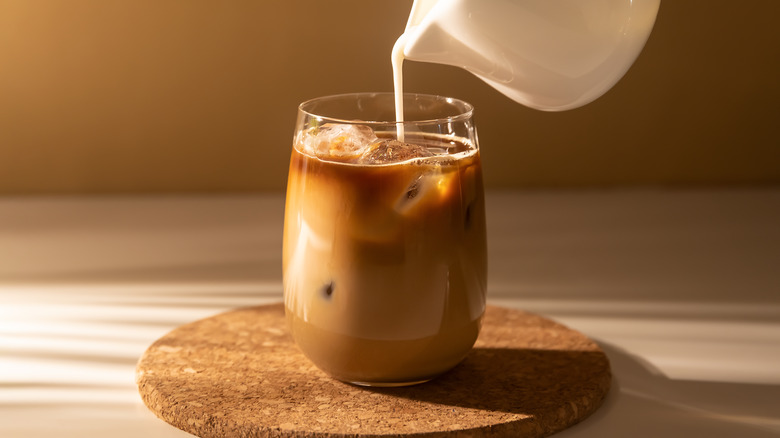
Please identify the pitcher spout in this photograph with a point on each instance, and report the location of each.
(439, 32)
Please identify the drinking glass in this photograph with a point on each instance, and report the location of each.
(384, 255)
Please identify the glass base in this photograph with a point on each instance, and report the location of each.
(390, 384)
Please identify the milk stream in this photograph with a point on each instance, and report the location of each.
(397, 59)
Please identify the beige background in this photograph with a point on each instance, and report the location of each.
(112, 96)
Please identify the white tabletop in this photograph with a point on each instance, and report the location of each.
(680, 288)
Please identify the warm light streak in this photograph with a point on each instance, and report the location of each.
(79, 343)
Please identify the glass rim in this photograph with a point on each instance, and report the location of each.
(464, 111)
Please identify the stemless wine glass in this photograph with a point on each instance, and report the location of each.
(385, 258)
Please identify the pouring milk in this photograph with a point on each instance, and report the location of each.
(551, 55)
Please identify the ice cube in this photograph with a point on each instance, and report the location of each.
(416, 188)
(341, 142)
(392, 151)
(413, 189)
(434, 184)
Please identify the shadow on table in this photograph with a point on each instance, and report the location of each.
(645, 403)
(548, 385)
(641, 402)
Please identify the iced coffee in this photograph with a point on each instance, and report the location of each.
(384, 240)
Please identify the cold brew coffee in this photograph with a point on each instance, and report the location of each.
(384, 246)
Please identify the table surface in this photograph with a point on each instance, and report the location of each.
(681, 288)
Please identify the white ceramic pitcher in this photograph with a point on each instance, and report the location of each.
(550, 55)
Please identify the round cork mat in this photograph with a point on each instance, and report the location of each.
(239, 374)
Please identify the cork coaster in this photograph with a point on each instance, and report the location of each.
(239, 374)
